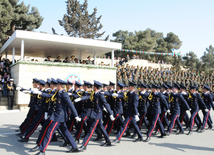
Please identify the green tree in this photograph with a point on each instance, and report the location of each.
(79, 23)
(16, 16)
(190, 61)
(177, 62)
(208, 60)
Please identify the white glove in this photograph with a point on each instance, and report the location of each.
(77, 99)
(168, 111)
(36, 91)
(136, 117)
(69, 94)
(114, 94)
(143, 92)
(26, 91)
(78, 119)
(112, 118)
(206, 110)
(46, 116)
(18, 88)
(104, 109)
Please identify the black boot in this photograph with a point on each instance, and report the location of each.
(190, 132)
(36, 148)
(106, 144)
(73, 150)
(98, 138)
(81, 148)
(138, 140)
(23, 140)
(40, 153)
(147, 139)
(116, 141)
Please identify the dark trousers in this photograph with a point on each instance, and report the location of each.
(93, 124)
(70, 123)
(115, 123)
(155, 120)
(25, 124)
(206, 119)
(123, 129)
(49, 133)
(184, 118)
(34, 124)
(142, 120)
(174, 120)
(193, 119)
(81, 126)
(10, 100)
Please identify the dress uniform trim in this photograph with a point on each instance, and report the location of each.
(35, 126)
(107, 123)
(113, 124)
(72, 124)
(92, 132)
(45, 132)
(207, 118)
(82, 126)
(125, 128)
(193, 120)
(141, 120)
(50, 137)
(29, 122)
(154, 125)
(174, 122)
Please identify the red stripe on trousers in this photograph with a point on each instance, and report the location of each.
(162, 119)
(45, 132)
(50, 136)
(29, 121)
(113, 124)
(207, 119)
(35, 127)
(91, 132)
(193, 120)
(72, 124)
(182, 118)
(141, 120)
(154, 125)
(107, 123)
(174, 123)
(125, 128)
(81, 127)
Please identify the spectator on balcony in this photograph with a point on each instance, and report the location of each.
(89, 60)
(127, 58)
(48, 59)
(66, 60)
(57, 59)
(72, 59)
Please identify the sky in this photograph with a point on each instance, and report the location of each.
(191, 20)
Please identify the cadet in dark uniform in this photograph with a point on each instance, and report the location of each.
(96, 113)
(154, 111)
(117, 108)
(194, 98)
(208, 100)
(11, 88)
(32, 111)
(131, 114)
(59, 117)
(175, 98)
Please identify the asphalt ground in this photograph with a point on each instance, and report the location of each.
(195, 144)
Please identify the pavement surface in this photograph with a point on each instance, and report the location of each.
(195, 144)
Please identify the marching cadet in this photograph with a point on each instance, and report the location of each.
(11, 88)
(32, 111)
(96, 113)
(154, 111)
(208, 100)
(194, 99)
(41, 101)
(142, 107)
(85, 110)
(58, 117)
(117, 108)
(131, 114)
(175, 99)
(48, 59)
(184, 117)
(57, 59)
(74, 95)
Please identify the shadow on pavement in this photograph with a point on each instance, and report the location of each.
(181, 147)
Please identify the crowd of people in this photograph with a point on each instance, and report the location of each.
(102, 108)
(149, 76)
(7, 87)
